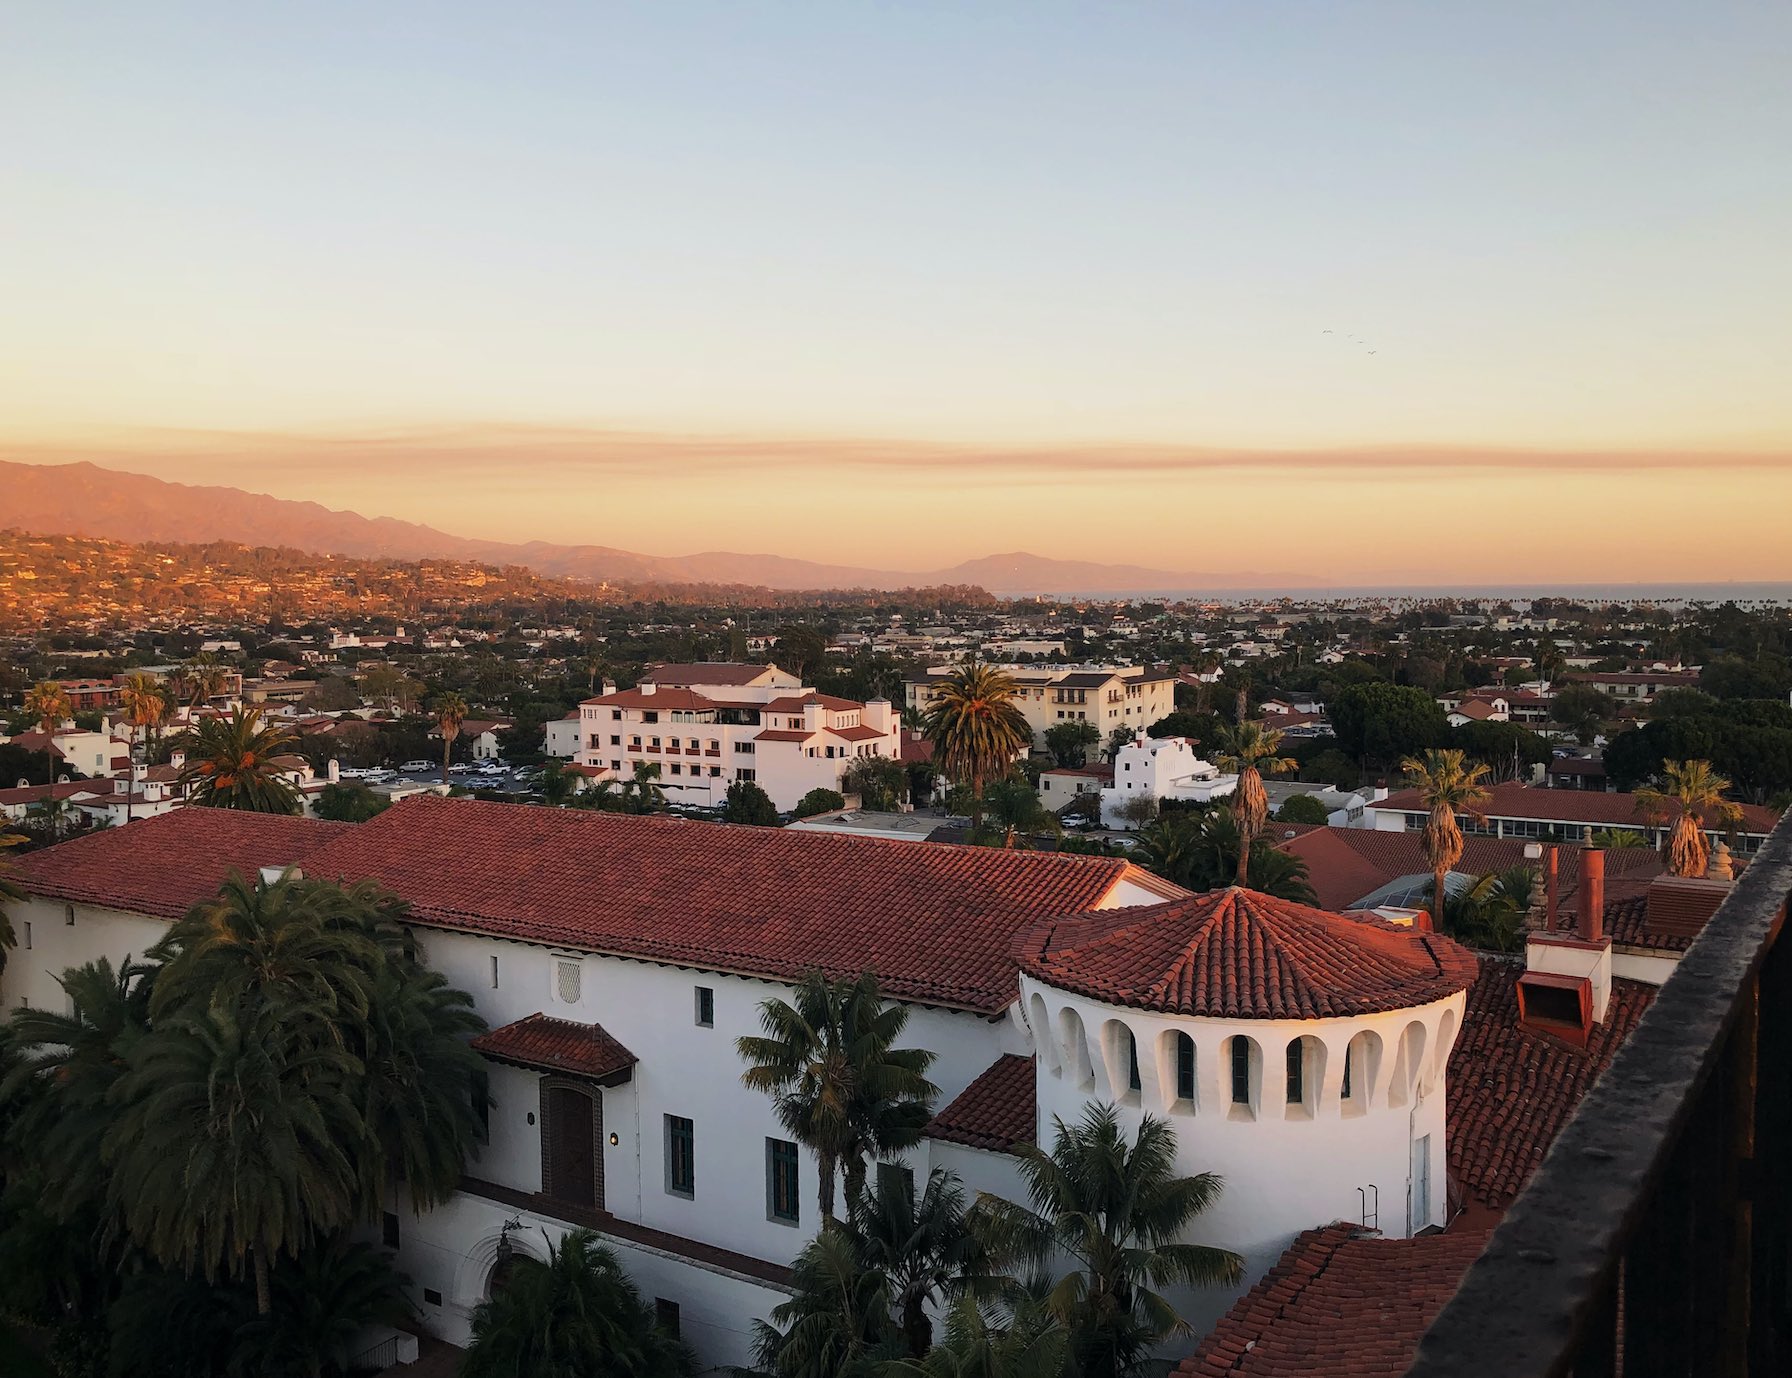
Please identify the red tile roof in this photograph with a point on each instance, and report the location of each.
(1339, 1302)
(1238, 954)
(669, 699)
(165, 865)
(794, 703)
(557, 1045)
(1345, 864)
(861, 733)
(996, 1111)
(1598, 807)
(1511, 1090)
(936, 923)
(783, 736)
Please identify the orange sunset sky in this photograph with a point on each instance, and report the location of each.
(1391, 292)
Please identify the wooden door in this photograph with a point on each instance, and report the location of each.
(572, 1146)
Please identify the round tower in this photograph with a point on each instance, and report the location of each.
(1298, 1054)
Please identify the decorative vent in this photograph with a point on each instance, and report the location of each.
(566, 981)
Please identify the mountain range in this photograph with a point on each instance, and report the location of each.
(84, 499)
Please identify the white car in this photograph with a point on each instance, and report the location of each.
(379, 777)
(492, 768)
(459, 768)
(410, 766)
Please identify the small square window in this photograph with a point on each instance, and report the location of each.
(665, 1316)
(389, 1229)
(431, 1297)
(494, 971)
(781, 1202)
(706, 1007)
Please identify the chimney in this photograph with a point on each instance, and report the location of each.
(1567, 983)
(609, 685)
(1592, 894)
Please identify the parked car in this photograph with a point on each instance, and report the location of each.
(410, 766)
(491, 768)
(380, 776)
(459, 768)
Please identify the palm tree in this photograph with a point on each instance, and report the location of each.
(330, 1294)
(576, 1315)
(1200, 851)
(1031, 1344)
(142, 700)
(232, 763)
(837, 1323)
(450, 711)
(921, 1248)
(1446, 782)
(1490, 914)
(67, 1067)
(1619, 840)
(1119, 1213)
(976, 728)
(1250, 749)
(1692, 794)
(232, 1143)
(839, 1085)
(203, 678)
(644, 794)
(47, 703)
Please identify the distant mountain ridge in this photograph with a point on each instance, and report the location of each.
(84, 499)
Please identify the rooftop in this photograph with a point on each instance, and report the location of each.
(996, 1111)
(1604, 809)
(936, 923)
(558, 1045)
(1238, 954)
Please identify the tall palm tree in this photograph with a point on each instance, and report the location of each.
(1693, 795)
(976, 727)
(1250, 748)
(450, 711)
(232, 763)
(48, 705)
(204, 678)
(1490, 914)
(1446, 783)
(233, 1143)
(839, 1085)
(576, 1315)
(1119, 1214)
(142, 701)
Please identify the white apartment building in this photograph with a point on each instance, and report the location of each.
(709, 725)
(616, 959)
(1161, 768)
(1105, 696)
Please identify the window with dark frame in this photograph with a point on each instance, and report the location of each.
(898, 1177)
(1185, 1067)
(706, 1007)
(1132, 1062)
(389, 1229)
(681, 1156)
(1297, 1066)
(665, 1316)
(1344, 1094)
(782, 1204)
(1241, 1071)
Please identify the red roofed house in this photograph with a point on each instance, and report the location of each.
(706, 726)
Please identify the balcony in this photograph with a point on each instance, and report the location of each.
(1656, 1238)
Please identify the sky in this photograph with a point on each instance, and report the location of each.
(1432, 290)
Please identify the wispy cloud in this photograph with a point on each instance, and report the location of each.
(543, 454)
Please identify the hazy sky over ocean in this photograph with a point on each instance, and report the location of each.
(901, 283)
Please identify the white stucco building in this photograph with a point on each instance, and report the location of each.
(616, 959)
(708, 725)
(1161, 768)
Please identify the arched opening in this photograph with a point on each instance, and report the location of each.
(1120, 1053)
(1042, 1033)
(1244, 1077)
(1409, 1059)
(1440, 1057)
(503, 1271)
(1075, 1041)
(1176, 1069)
(1361, 1072)
(1303, 1065)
